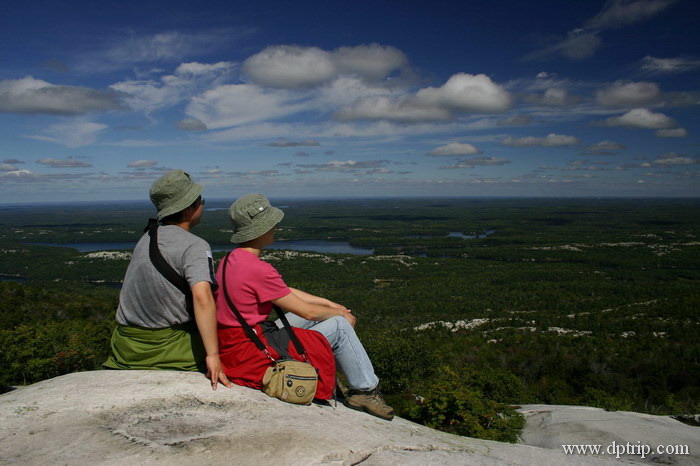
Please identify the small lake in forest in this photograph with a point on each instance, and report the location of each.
(322, 246)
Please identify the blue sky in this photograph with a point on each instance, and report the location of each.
(350, 99)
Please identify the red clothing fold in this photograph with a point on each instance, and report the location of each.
(244, 364)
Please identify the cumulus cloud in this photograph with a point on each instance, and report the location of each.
(72, 134)
(12, 161)
(29, 95)
(142, 164)
(604, 147)
(653, 65)
(461, 93)
(6, 167)
(236, 104)
(628, 94)
(477, 161)
(674, 159)
(294, 67)
(551, 140)
(403, 109)
(191, 124)
(672, 133)
(640, 118)
(285, 143)
(70, 162)
(372, 61)
(618, 13)
(455, 148)
(554, 97)
(467, 92)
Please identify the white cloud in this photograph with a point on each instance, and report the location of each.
(618, 13)
(653, 65)
(237, 104)
(70, 162)
(345, 166)
(199, 69)
(162, 47)
(290, 66)
(142, 164)
(551, 140)
(672, 133)
(461, 93)
(29, 95)
(403, 109)
(628, 94)
(674, 159)
(553, 97)
(372, 61)
(515, 120)
(6, 167)
(641, 118)
(578, 44)
(294, 67)
(151, 95)
(191, 124)
(467, 92)
(455, 148)
(285, 143)
(72, 134)
(605, 146)
(477, 161)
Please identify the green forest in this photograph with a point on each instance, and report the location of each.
(468, 307)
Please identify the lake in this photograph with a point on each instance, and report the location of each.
(321, 246)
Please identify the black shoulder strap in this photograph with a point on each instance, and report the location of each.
(248, 330)
(164, 268)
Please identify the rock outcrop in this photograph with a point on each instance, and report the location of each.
(160, 417)
(627, 435)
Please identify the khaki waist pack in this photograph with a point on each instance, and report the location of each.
(291, 381)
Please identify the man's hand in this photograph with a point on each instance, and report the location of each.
(215, 372)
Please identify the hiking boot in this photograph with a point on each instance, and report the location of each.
(369, 401)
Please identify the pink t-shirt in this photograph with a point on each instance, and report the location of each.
(252, 284)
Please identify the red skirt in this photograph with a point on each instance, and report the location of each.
(244, 364)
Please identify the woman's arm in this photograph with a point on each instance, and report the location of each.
(313, 299)
(311, 310)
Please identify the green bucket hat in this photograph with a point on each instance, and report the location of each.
(173, 192)
(252, 216)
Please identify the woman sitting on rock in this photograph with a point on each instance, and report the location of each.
(254, 286)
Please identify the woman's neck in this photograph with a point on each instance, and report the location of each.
(252, 250)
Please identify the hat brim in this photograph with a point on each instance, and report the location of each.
(262, 225)
(186, 200)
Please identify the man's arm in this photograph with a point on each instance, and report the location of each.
(205, 316)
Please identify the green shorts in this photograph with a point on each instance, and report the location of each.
(174, 348)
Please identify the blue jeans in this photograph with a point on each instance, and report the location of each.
(350, 355)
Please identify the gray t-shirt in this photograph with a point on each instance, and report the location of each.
(147, 298)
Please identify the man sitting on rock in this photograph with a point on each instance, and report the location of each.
(169, 323)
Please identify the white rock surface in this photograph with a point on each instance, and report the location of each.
(174, 418)
(551, 426)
